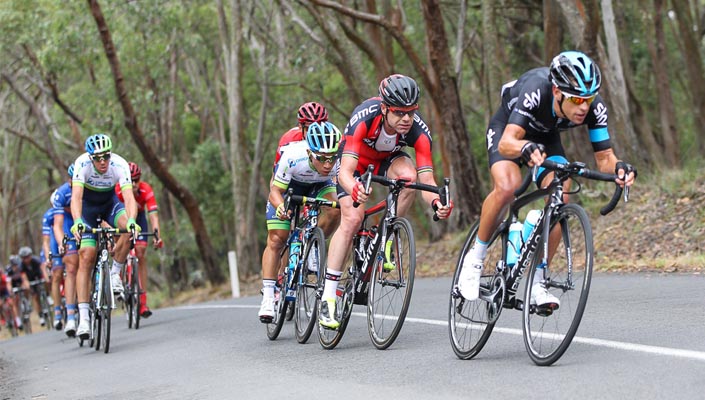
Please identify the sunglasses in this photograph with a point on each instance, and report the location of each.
(579, 100)
(324, 159)
(401, 113)
(101, 157)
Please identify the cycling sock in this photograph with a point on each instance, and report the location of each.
(478, 250)
(268, 286)
(71, 311)
(143, 299)
(331, 286)
(117, 267)
(57, 311)
(83, 311)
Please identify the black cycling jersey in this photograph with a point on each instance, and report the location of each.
(528, 102)
(33, 269)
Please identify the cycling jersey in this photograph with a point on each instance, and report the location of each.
(528, 102)
(101, 187)
(48, 230)
(296, 165)
(33, 269)
(144, 197)
(292, 135)
(61, 201)
(366, 140)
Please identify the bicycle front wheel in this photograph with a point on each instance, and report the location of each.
(548, 333)
(280, 307)
(136, 291)
(306, 306)
(470, 322)
(105, 310)
(391, 284)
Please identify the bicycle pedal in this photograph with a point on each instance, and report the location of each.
(266, 320)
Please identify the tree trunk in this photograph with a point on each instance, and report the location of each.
(668, 137)
(552, 30)
(694, 69)
(185, 197)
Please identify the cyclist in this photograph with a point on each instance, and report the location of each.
(308, 167)
(526, 130)
(92, 198)
(33, 269)
(377, 132)
(145, 201)
(16, 278)
(61, 201)
(56, 265)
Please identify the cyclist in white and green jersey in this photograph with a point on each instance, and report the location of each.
(96, 173)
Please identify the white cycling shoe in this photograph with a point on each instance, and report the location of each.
(116, 282)
(541, 297)
(469, 279)
(266, 310)
(84, 329)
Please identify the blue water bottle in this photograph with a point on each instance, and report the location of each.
(532, 218)
(514, 243)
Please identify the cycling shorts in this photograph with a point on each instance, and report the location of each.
(142, 222)
(319, 189)
(110, 212)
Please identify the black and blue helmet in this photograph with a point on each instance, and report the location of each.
(575, 73)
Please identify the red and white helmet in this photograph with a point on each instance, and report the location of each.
(135, 171)
(312, 112)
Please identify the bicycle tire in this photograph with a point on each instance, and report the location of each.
(306, 306)
(280, 306)
(105, 312)
(44, 304)
(136, 291)
(547, 337)
(330, 338)
(390, 291)
(470, 323)
(127, 304)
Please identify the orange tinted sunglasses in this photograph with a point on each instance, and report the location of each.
(577, 100)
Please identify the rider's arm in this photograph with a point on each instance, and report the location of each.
(130, 203)
(346, 177)
(276, 195)
(76, 201)
(59, 228)
(47, 249)
(512, 141)
(606, 160)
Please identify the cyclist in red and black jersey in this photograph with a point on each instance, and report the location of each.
(376, 134)
(146, 203)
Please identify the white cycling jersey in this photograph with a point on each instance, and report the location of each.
(86, 175)
(295, 165)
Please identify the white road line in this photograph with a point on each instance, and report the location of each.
(662, 351)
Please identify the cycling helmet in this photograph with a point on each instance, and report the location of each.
(399, 91)
(98, 143)
(70, 171)
(15, 260)
(312, 112)
(323, 137)
(575, 73)
(24, 252)
(135, 171)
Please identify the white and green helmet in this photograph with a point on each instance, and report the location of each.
(323, 137)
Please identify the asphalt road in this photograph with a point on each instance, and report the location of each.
(642, 336)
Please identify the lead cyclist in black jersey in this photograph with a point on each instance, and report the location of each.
(526, 130)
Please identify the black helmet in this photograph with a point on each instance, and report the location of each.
(575, 73)
(399, 91)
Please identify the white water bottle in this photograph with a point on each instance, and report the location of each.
(514, 243)
(532, 218)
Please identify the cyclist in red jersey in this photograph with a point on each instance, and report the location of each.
(146, 202)
(377, 132)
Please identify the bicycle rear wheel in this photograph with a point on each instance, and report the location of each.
(345, 294)
(547, 334)
(470, 322)
(391, 288)
(306, 306)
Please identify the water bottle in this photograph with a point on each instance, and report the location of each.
(532, 218)
(514, 243)
(294, 254)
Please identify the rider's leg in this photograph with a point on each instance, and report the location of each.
(403, 167)
(56, 273)
(330, 217)
(86, 263)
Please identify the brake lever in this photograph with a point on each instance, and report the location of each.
(534, 173)
(626, 193)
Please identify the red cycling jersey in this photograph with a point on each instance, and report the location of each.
(144, 197)
(292, 135)
(366, 140)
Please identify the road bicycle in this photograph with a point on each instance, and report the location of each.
(297, 290)
(25, 308)
(102, 300)
(381, 272)
(566, 262)
(132, 284)
(38, 286)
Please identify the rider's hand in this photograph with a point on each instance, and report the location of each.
(442, 211)
(282, 213)
(132, 224)
(532, 154)
(157, 242)
(626, 173)
(358, 193)
(77, 228)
